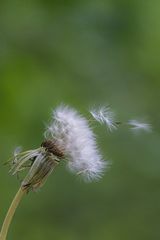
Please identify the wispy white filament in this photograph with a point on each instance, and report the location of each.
(74, 137)
(137, 126)
(104, 115)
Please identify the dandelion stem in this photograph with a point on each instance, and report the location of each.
(10, 213)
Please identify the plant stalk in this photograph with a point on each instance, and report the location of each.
(10, 213)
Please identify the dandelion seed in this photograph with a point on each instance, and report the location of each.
(104, 115)
(137, 126)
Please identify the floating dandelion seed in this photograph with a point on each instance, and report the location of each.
(104, 115)
(137, 126)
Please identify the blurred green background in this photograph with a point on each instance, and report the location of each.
(82, 53)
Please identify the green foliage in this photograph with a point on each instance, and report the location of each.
(82, 53)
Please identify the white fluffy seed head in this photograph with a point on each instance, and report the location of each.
(137, 126)
(74, 137)
(104, 115)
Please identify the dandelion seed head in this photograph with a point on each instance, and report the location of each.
(68, 137)
(74, 137)
(104, 115)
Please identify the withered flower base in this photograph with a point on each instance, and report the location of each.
(35, 178)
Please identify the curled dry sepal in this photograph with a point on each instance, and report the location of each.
(68, 137)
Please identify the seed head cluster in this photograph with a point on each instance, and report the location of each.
(73, 136)
(68, 137)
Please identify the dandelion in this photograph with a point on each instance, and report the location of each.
(104, 115)
(68, 137)
(137, 126)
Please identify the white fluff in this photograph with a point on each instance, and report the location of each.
(104, 115)
(138, 126)
(75, 138)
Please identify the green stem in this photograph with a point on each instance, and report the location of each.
(10, 213)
